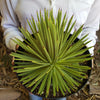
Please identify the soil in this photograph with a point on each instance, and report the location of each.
(12, 88)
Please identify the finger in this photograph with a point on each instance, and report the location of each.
(17, 46)
(12, 60)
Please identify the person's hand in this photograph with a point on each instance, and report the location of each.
(16, 48)
(91, 37)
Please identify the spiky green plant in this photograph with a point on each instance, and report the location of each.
(51, 59)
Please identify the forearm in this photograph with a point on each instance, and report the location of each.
(93, 19)
(10, 35)
(10, 23)
(92, 24)
(91, 37)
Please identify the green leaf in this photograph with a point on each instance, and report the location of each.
(29, 49)
(34, 25)
(48, 83)
(61, 81)
(26, 58)
(44, 48)
(56, 80)
(67, 78)
(33, 44)
(71, 40)
(72, 71)
(59, 18)
(51, 16)
(54, 85)
(36, 85)
(39, 77)
(43, 84)
(32, 76)
(46, 16)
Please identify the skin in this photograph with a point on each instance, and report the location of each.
(17, 46)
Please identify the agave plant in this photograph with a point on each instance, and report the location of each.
(51, 60)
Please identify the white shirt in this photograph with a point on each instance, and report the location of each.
(16, 12)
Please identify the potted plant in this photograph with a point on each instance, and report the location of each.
(52, 63)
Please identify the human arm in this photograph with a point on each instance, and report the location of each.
(10, 23)
(92, 24)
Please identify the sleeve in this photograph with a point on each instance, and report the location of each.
(92, 24)
(10, 23)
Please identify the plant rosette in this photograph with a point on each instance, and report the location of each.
(52, 63)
